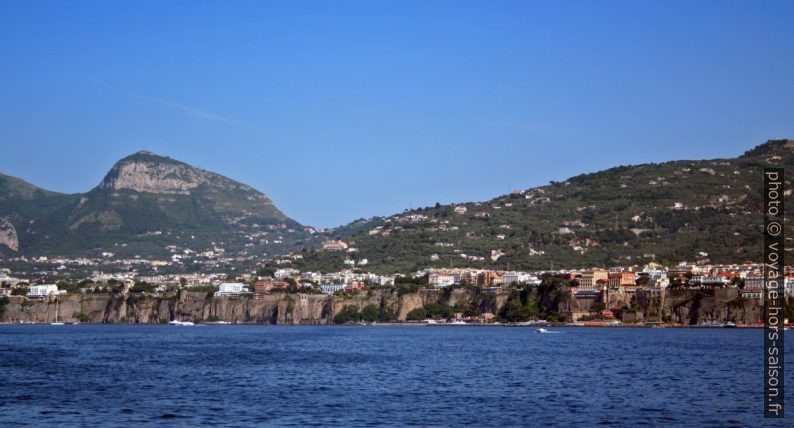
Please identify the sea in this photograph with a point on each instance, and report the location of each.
(255, 375)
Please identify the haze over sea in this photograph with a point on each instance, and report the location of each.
(117, 375)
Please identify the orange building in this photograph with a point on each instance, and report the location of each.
(265, 285)
(621, 279)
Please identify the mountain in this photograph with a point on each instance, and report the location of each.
(665, 212)
(154, 206)
(144, 204)
(21, 203)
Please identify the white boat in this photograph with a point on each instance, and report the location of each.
(458, 323)
(175, 322)
(430, 321)
(542, 330)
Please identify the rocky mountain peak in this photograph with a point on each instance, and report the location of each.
(147, 172)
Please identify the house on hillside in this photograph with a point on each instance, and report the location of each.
(334, 245)
(41, 291)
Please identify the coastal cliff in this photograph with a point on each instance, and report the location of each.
(685, 307)
(202, 306)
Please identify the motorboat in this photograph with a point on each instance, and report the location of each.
(175, 322)
(541, 330)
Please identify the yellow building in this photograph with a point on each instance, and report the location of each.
(590, 278)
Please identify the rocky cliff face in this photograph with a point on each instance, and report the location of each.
(692, 307)
(8, 235)
(155, 178)
(687, 307)
(199, 306)
(148, 173)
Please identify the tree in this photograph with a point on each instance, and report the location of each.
(437, 310)
(417, 314)
(143, 287)
(347, 314)
(266, 271)
(514, 311)
(3, 302)
(386, 315)
(370, 313)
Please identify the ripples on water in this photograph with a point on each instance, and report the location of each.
(426, 376)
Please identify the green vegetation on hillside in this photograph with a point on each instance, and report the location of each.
(665, 212)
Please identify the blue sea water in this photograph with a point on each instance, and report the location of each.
(114, 375)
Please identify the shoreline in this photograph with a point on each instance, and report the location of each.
(411, 324)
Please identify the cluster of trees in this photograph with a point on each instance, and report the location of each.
(3, 302)
(143, 287)
(541, 302)
(409, 284)
(370, 313)
(432, 310)
(82, 316)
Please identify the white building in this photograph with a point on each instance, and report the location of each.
(653, 273)
(41, 291)
(754, 281)
(334, 245)
(441, 279)
(331, 288)
(312, 276)
(517, 277)
(286, 273)
(231, 289)
(753, 293)
(657, 283)
(712, 281)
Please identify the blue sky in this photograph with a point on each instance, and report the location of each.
(339, 110)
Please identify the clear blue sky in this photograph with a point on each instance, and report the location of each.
(339, 110)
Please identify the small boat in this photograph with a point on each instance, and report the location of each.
(730, 324)
(712, 324)
(459, 323)
(541, 330)
(430, 321)
(175, 322)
